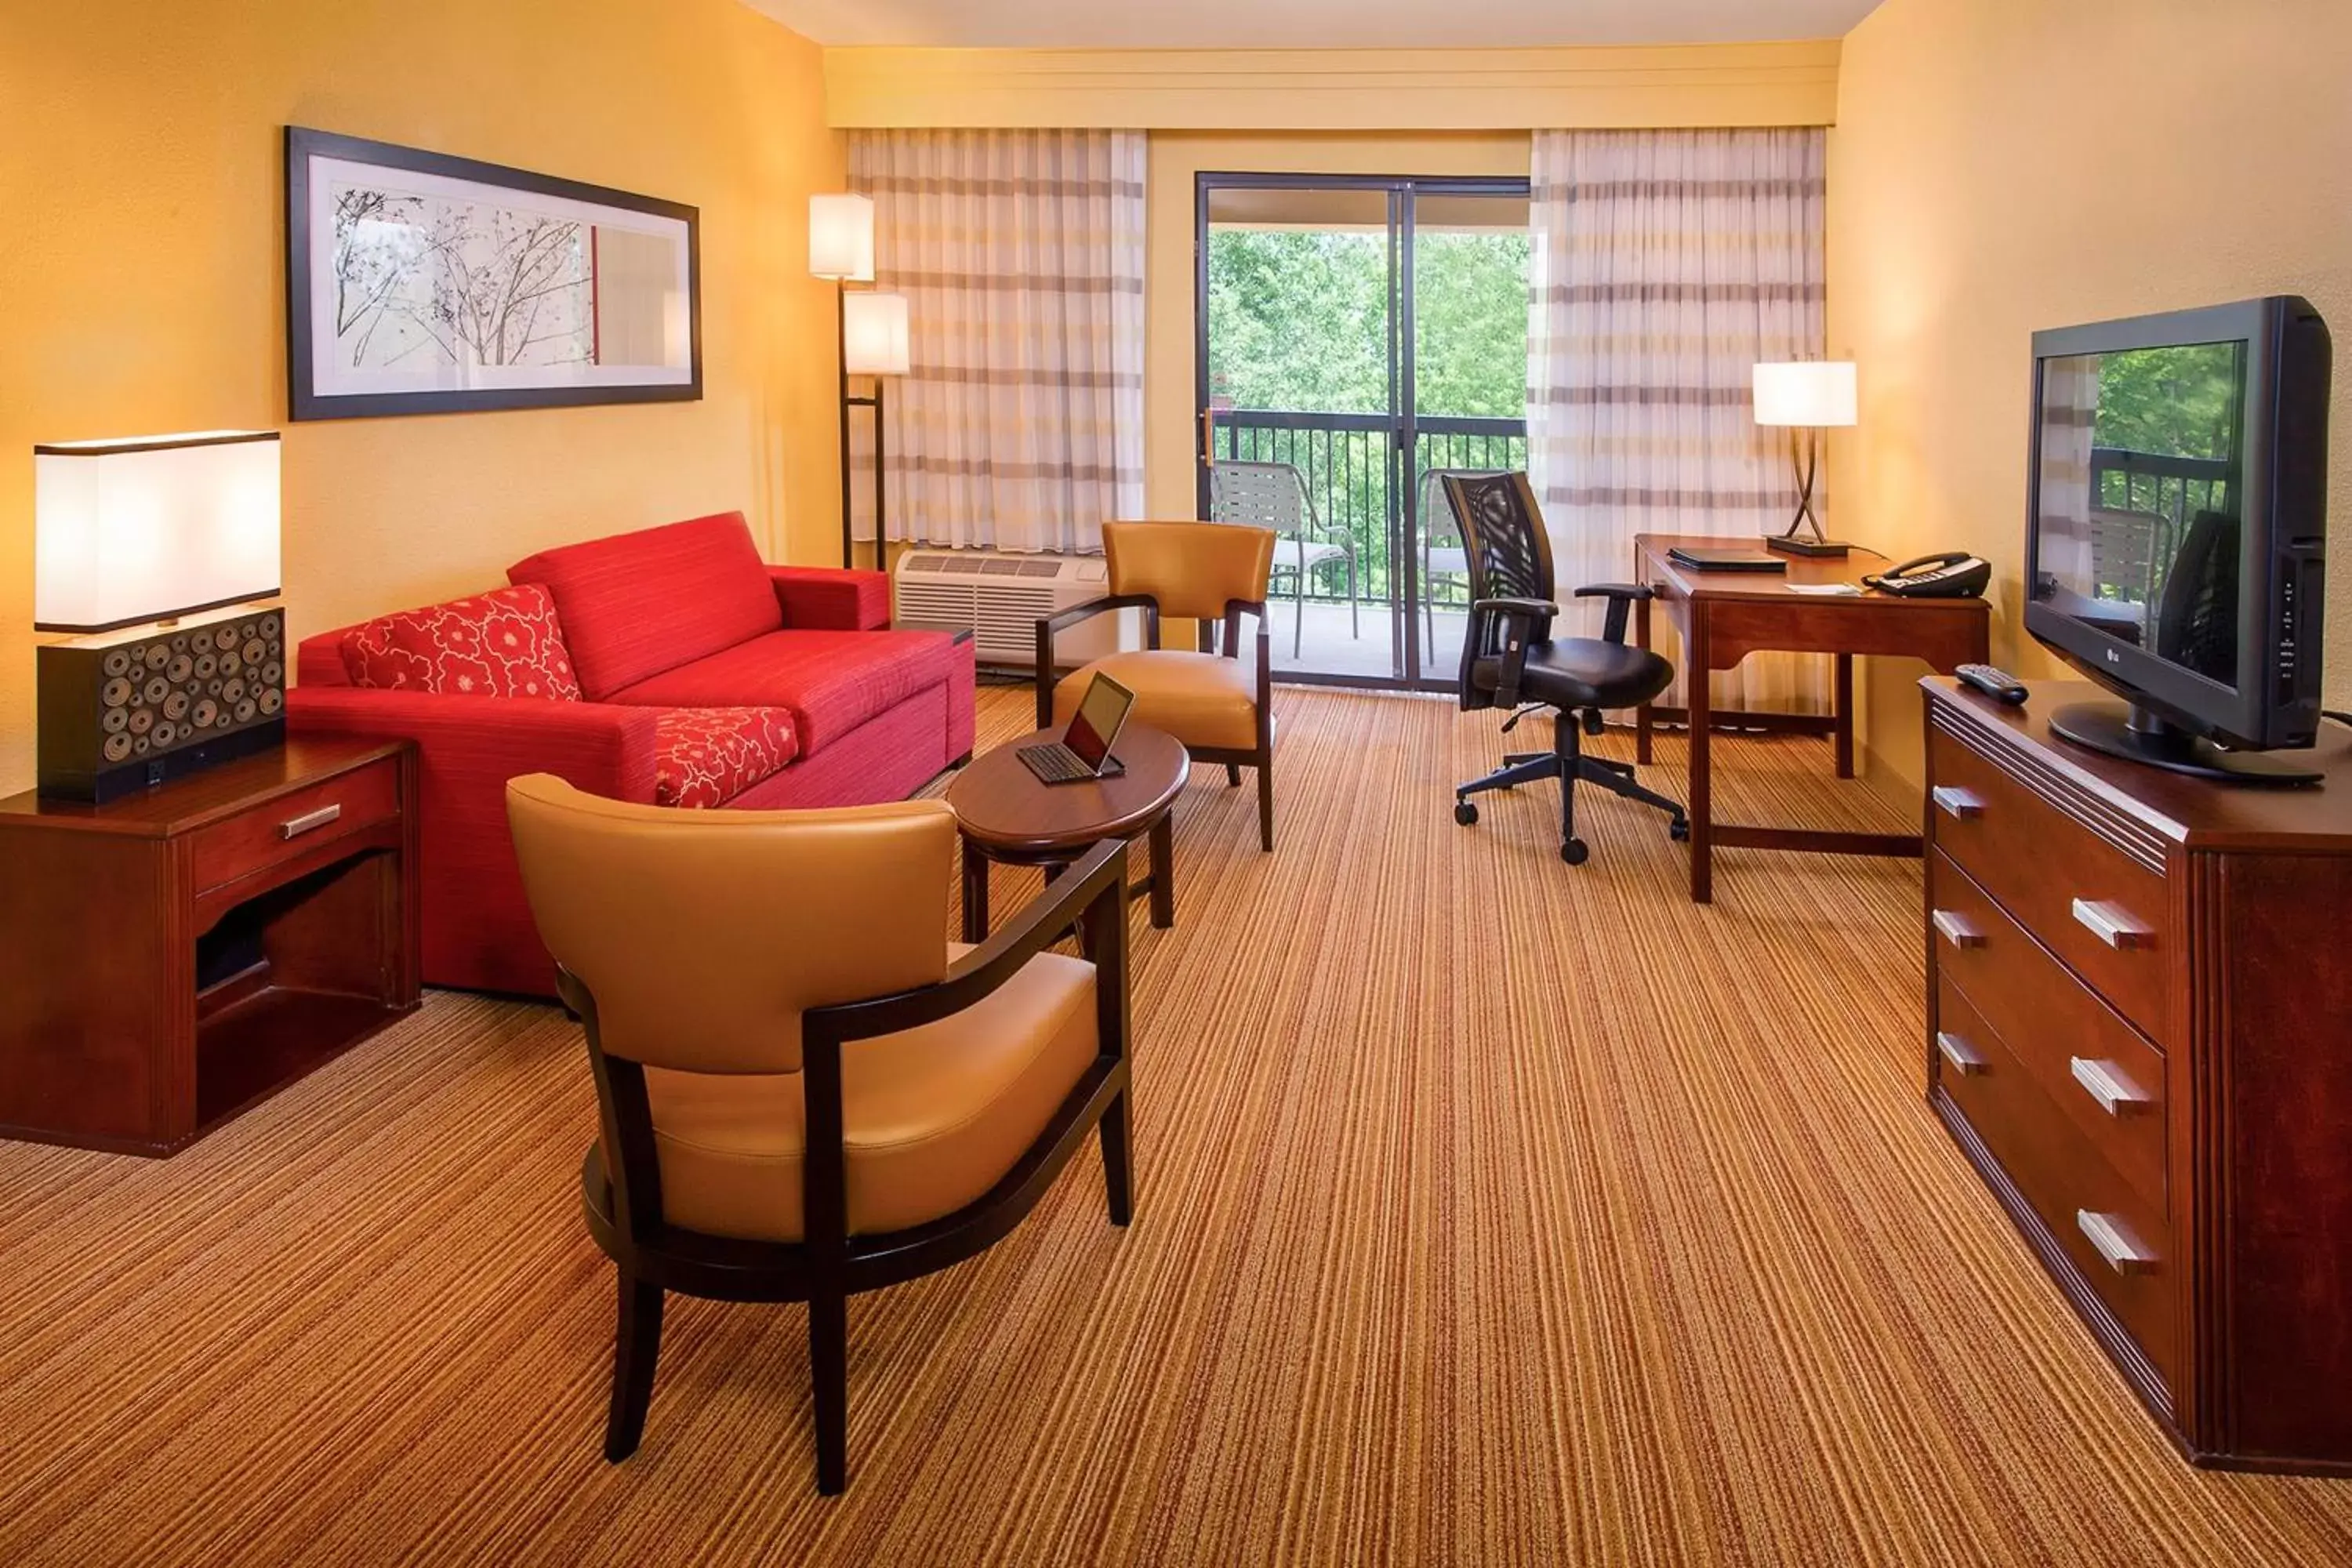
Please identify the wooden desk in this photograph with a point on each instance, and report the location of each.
(1724, 617)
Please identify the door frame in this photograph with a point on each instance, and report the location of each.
(1403, 521)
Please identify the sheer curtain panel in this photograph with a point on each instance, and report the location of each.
(1668, 264)
(1020, 424)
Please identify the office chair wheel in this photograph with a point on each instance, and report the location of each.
(1574, 852)
(1679, 830)
(1465, 813)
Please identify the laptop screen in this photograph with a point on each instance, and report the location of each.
(1096, 723)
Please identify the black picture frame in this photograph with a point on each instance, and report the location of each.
(307, 400)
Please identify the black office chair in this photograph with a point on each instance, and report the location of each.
(1508, 653)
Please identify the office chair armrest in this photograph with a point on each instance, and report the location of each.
(1527, 617)
(1062, 620)
(1621, 596)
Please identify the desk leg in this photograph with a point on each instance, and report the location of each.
(1845, 714)
(1702, 723)
(975, 893)
(1163, 871)
(1642, 720)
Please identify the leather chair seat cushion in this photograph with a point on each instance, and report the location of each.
(832, 681)
(704, 757)
(1200, 699)
(932, 1118)
(1582, 672)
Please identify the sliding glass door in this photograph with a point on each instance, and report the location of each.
(1356, 335)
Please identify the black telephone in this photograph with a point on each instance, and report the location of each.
(1954, 574)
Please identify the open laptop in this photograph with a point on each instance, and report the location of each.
(1083, 751)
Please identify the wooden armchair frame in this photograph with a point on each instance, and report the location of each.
(1259, 756)
(623, 1200)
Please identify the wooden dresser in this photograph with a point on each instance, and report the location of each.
(2139, 1030)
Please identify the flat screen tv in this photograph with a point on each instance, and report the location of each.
(2177, 515)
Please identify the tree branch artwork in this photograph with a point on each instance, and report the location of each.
(460, 283)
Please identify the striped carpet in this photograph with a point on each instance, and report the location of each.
(1489, 1212)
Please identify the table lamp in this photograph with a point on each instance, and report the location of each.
(149, 550)
(1806, 397)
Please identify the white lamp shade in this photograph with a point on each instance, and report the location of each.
(841, 237)
(1815, 393)
(874, 334)
(127, 532)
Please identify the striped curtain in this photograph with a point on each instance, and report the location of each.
(1668, 264)
(1020, 424)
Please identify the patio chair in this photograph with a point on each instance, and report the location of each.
(1273, 495)
(1442, 559)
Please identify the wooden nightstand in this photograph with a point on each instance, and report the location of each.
(173, 958)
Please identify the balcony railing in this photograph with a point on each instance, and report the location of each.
(1347, 462)
(2144, 505)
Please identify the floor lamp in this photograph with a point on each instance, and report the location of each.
(840, 249)
(873, 343)
(1805, 396)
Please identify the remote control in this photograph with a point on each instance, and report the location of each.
(1996, 684)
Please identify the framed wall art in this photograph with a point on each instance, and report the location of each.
(420, 283)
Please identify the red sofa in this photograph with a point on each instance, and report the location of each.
(670, 666)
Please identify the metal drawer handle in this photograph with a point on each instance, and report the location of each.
(310, 821)
(2113, 926)
(2103, 1082)
(1960, 1054)
(2122, 1250)
(1956, 930)
(1957, 803)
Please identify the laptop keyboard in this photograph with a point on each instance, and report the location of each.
(1055, 763)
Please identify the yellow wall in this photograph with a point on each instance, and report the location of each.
(141, 279)
(2004, 165)
(1789, 83)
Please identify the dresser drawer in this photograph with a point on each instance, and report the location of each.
(2117, 1241)
(290, 824)
(2100, 1071)
(2095, 907)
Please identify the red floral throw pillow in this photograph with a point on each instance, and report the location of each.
(707, 756)
(504, 643)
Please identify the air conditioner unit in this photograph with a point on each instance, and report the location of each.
(1000, 598)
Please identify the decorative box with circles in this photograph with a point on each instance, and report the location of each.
(127, 710)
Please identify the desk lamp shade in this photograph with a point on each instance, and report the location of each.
(874, 334)
(137, 531)
(841, 237)
(1808, 394)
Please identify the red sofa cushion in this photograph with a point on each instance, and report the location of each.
(638, 604)
(832, 681)
(504, 643)
(707, 756)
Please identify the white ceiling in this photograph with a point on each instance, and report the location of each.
(1309, 24)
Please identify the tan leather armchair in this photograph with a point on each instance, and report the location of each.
(804, 1092)
(1219, 707)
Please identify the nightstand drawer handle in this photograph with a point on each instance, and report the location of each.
(1960, 1054)
(2112, 926)
(1957, 803)
(2122, 1250)
(2104, 1083)
(1957, 929)
(310, 821)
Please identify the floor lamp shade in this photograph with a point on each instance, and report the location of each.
(134, 531)
(1810, 394)
(841, 237)
(874, 334)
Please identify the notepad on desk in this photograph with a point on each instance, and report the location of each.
(1827, 590)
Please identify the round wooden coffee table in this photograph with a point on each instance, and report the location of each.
(1007, 814)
